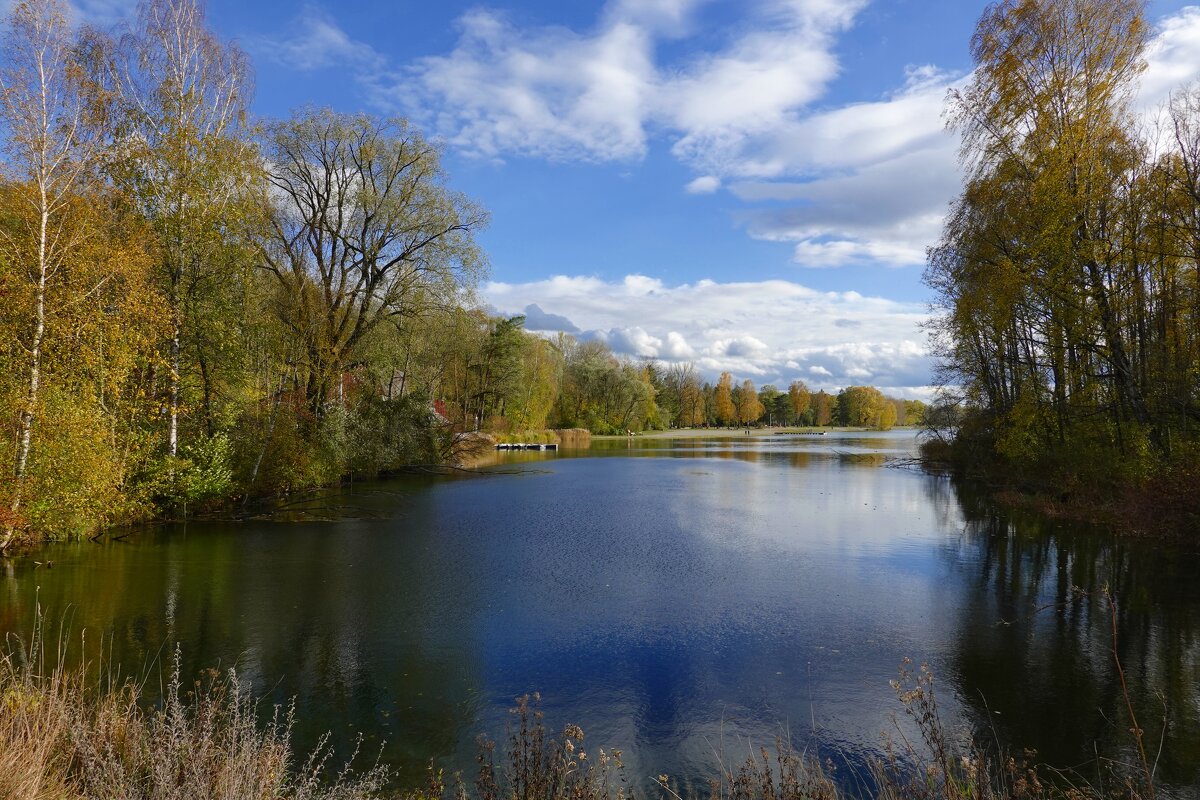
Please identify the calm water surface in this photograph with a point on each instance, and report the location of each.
(679, 599)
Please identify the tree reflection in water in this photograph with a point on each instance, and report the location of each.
(1036, 639)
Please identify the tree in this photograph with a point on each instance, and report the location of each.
(541, 365)
(363, 231)
(865, 407)
(1032, 252)
(498, 368)
(692, 401)
(749, 409)
(181, 153)
(767, 399)
(914, 412)
(49, 147)
(823, 408)
(800, 399)
(723, 408)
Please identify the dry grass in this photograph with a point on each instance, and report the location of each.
(574, 438)
(527, 437)
(64, 736)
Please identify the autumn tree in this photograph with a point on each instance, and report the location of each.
(823, 407)
(1045, 132)
(364, 230)
(865, 407)
(914, 412)
(181, 153)
(49, 149)
(723, 408)
(692, 407)
(749, 408)
(1065, 272)
(800, 399)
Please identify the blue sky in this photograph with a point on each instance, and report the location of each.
(746, 185)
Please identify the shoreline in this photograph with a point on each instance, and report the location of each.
(698, 433)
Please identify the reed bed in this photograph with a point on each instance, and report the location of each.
(574, 438)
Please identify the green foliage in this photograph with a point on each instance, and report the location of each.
(203, 472)
(74, 476)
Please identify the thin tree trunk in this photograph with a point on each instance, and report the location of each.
(206, 379)
(28, 414)
(270, 432)
(173, 391)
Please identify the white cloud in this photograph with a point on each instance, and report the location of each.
(630, 341)
(741, 347)
(313, 41)
(886, 213)
(538, 320)
(103, 12)
(705, 184)
(677, 348)
(669, 17)
(769, 331)
(599, 94)
(550, 92)
(1171, 58)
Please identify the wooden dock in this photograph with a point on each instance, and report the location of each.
(802, 433)
(524, 446)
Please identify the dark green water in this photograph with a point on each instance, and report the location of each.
(677, 599)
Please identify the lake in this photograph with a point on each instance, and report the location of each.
(680, 599)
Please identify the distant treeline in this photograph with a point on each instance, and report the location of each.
(509, 379)
(1068, 273)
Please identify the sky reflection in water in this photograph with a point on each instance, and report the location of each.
(676, 607)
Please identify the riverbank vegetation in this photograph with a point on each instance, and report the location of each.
(70, 734)
(1068, 273)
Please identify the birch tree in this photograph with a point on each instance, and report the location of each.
(182, 153)
(49, 148)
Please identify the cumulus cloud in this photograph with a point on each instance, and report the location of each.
(705, 184)
(769, 331)
(741, 347)
(633, 341)
(1171, 59)
(599, 94)
(677, 348)
(549, 92)
(538, 320)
